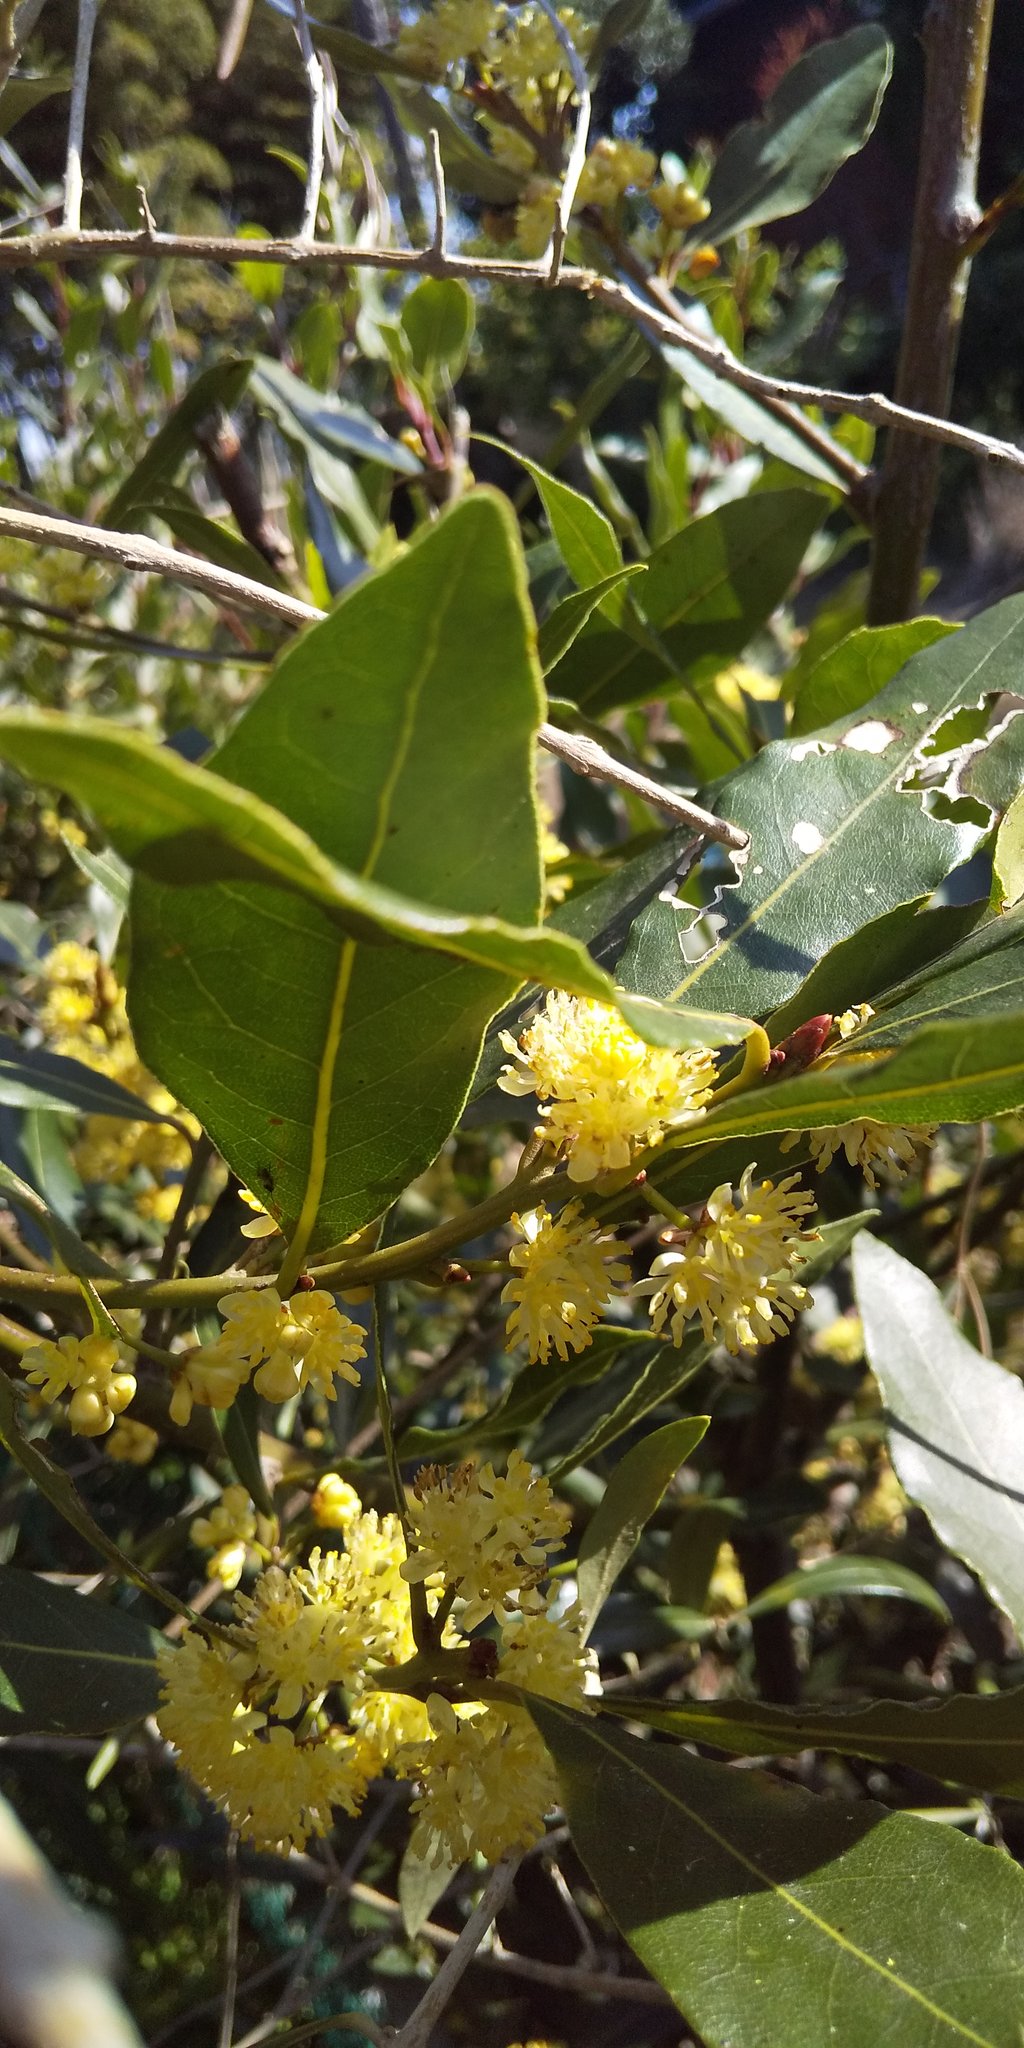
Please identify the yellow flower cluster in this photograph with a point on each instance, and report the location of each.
(565, 1276)
(83, 1014)
(487, 1536)
(226, 1532)
(604, 1092)
(334, 1503)
(92, 1370)
(297, 1716)
(130, 1442)
(731, 1269)
(288, 1345)
(679, 205)
(613, 168)
(889, 1151)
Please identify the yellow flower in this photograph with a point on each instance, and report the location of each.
(226, 1531)
(842, 1340)
(603, 1091)
(566, 1273)
(209, 1377)
(335, 1503)
(88, 1366)
(487, 1536)
(131, 1443)
(535, 216)
(729, 1269)
(886, 1150)
(487, 1783)
(263, 1224)
(679, 205)
(546, 1657)
(851, 1020)
(612, 167)
(306, 1341)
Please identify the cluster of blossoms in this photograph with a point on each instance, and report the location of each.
(732, 1269)
(886, 1151)
(296, 1715)
(227, 1533)
(285, 1346)
(604, 1093)
(83, 1016)
(565, 1276)
(91, 1370)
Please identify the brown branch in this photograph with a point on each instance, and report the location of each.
(946, 217)
(134, 551)
(21, 251)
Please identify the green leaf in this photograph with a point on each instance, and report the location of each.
(21, 930)
(32, 1078)
(744, 414)
(469, 167)
(945, 1073)
(961, 1738)
(329, 423)
(70, 1665)
(438, 318)
(240, 1429)
(105, 870)
(981, 976)
(21, 93)
(851, 674)
(956, 1421)
(887, 948)
(773, 1916)
(836, 836)
(207, 537)
(220, 385)
(846, 1576)
(354, 53)
(78, 1257)
(630, 1498)
(1009, 852)
(822, 113)
(568, 619)
(707, 591)
(585, 539)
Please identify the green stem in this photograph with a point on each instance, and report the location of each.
(956, 39)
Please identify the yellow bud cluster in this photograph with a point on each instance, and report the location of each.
(226, 1531)
(613, 168)
(680, 206)
(288, 1345)
(91, 1369)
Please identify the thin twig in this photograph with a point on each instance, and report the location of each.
(56, 246)
(418, 2030)
(134, 551)
(234, 1902)
(314, 71)
(440, 195)
(581, 136)
(72, 217)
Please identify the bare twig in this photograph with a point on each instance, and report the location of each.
(440, 195)
(21, 251)
(72, 219)
(234, 1902)
(314, 71)
(581, 136)
(419, 2029)
(134, 551)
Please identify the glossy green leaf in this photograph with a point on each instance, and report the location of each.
(330, 423)
(956, 1421)
(568, 619)
(846, 1576)
(77, 1257)
(469, 166)
(952, 1073)
(822, 113)
(585, 538)
(850, 674)
(836, 837)
(22, 93)
(744, 414)
(772, 1916)
(189, 827)
(630, 1498)
(207, 537)
(707, 591)
(1009, 852)
(980, 976)
(965, 1739)
(32, 1078)
(70, 1665)
(438, 319)
(881, 953)
(354, 53)
(222, 384)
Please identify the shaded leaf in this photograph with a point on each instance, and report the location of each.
(822, 113)
(22, 93)
(630, 1498)
(438, 318)
(743, 413)
(469, 166)
(207, 537)
(707, 591)
(844, 1576)
(78, 1257)
(568, 619)
(980, 976)
(1009, 852)
(767, 1912)
(330, 423)
(881, 953)
(962, 1738)
(32, 1078)
(70, 1665)
(956, 1421)
(221, 384)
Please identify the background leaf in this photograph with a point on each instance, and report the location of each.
(850, 674)
(845, 1576)
(766, 1912)
(956, 1433)
(221, 384)
(438, 318)
(630, 1498)
(1009, 852)
(70, 1665)
(822, 113)
(32, 1078)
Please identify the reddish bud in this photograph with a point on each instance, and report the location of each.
(305, 1284)
(801, 1048)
